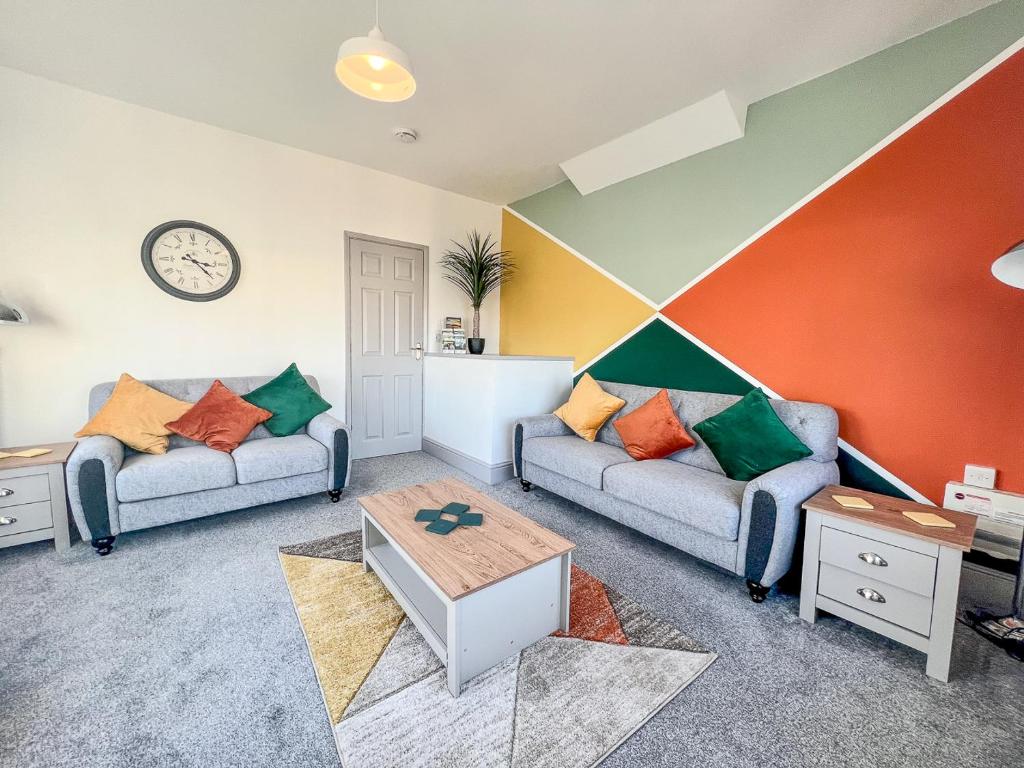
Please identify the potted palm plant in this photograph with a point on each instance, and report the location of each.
(477, 268)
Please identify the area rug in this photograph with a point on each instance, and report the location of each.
(567, 701)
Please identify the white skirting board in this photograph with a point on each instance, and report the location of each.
(488, 473)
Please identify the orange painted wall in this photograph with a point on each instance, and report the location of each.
(877, 296)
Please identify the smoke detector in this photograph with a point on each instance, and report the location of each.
(406, 135)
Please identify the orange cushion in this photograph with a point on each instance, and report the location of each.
(589, 407)
(221, 419)
(653, 431)
(135, 414)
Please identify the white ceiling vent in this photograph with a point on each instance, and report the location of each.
(711, 122)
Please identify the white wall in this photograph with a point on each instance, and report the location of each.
(83, 178)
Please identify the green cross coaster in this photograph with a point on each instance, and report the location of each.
(439, 522)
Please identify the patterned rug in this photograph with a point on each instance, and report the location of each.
(568, 700)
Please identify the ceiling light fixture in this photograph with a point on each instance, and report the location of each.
(374, 68)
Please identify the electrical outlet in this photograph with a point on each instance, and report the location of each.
(980, 477)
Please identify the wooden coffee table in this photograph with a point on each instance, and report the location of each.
(479, 594)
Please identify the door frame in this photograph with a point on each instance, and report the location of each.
(425, 250)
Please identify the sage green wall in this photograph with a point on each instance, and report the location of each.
(658, 231)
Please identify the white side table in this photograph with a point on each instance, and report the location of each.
(882, 571)
(33, 500)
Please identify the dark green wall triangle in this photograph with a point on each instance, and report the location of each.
(659, 356)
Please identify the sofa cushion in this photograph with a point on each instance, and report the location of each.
(704, 500)
(574, 457)
(291, 399)
(181, 470)
(748, 438)
(653, 431)
(221, 419)
(277, 457)
(136, 414)
(588, 408)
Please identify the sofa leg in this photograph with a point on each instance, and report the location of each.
(757, 591)
(104, 546)
(335, 496)
(527, 485)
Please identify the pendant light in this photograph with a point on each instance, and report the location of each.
(374, 68)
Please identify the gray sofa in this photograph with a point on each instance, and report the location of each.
(113, 489)
(749, 528)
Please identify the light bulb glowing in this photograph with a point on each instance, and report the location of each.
(377, 63)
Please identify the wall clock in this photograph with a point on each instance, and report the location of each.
(191, 261)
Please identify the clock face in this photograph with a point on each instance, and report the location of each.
(190, 260)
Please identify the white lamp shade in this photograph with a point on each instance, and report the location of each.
(375, 69)
(12, 314)
(1009, 268)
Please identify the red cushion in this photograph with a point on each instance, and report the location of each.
(221, 419)
(653, 431)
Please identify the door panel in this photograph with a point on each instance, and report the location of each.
(386, 295)
(373, 322)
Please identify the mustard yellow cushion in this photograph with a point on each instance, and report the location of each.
(589, 407)
(136, 414)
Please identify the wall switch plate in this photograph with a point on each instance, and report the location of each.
(981, 477)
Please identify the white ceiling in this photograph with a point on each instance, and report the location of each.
(507, 89)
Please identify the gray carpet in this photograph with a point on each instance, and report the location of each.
(182, 649)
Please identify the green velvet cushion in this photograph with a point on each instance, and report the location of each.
(748, 438)
(292, 401)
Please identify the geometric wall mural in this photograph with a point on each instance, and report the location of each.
(877, 297)
(873, 295)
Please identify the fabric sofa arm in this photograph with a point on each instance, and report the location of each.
(334, 436)
(91, 471)
(770, 517)
(547, 425)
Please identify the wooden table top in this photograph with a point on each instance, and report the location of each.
(59, 453)
(470, 557)
(887, 514)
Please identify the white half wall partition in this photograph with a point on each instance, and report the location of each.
(471, 403)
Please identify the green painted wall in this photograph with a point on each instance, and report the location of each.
(658, 356)
(658, 231)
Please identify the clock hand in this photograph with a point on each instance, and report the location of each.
(198, 264)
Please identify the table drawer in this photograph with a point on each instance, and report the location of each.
(895, 605)
(25, 517)
(886, 563)
(24, 490)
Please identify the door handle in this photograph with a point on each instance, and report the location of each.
(8, 520)
(417, 350)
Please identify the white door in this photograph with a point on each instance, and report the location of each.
(386, 292)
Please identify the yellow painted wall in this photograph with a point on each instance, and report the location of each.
(556, 303)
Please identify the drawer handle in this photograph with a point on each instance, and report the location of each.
(8, 520)
(872, 559)
(870, 594)
(6, 492)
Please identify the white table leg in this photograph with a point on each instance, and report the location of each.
(809, 579)
(947, 590)
(366, 539)
(563, 618)
(453, 649)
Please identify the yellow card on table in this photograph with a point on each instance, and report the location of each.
(929, 519)
(853, 502)
(28, 453)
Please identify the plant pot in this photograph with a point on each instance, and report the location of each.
(476, 346)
